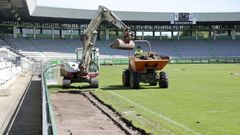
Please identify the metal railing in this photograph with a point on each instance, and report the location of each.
(48, 122)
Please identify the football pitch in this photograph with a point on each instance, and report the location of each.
(201, 99)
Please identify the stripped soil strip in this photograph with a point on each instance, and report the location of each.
(80, 113)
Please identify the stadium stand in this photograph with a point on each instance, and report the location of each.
(226, 48)
(65, 48)
(2, 43)
(51, 45)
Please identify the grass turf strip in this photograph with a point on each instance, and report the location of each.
(201, 99)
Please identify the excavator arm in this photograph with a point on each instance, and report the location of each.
(89, 37)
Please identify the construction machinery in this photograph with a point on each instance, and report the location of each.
(86, 67)
(146, 69)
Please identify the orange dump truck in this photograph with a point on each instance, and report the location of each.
(146, 70)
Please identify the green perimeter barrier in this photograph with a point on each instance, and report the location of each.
(114, 61)
(205, 60)
(124, 61)
(102, 61)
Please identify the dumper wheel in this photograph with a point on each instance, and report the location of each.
(163, 82)
(134, 80)
(93, 82)
(66, 83)
(126, 78)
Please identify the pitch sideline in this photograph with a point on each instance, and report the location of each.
(157, 114)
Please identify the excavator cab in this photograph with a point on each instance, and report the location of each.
(93, 68)
(70, 70)
(94, 63)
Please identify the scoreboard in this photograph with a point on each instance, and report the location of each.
(184, 18)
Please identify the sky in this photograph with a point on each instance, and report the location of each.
(149, 5)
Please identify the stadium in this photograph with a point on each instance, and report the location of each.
(201, 51)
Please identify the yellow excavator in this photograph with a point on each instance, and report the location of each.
(86, 67)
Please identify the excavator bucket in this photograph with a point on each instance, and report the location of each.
(120, 44)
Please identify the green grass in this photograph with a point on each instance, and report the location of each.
(201, 98)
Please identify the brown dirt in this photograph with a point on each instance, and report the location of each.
(75, 114)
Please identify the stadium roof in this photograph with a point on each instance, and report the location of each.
(11, 9)
(27, 10)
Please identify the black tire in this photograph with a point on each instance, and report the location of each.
(126, 78)
(66, 83)
(163, 82)
(134, 80)
(94, 82)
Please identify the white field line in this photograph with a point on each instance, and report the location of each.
(157, 114)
